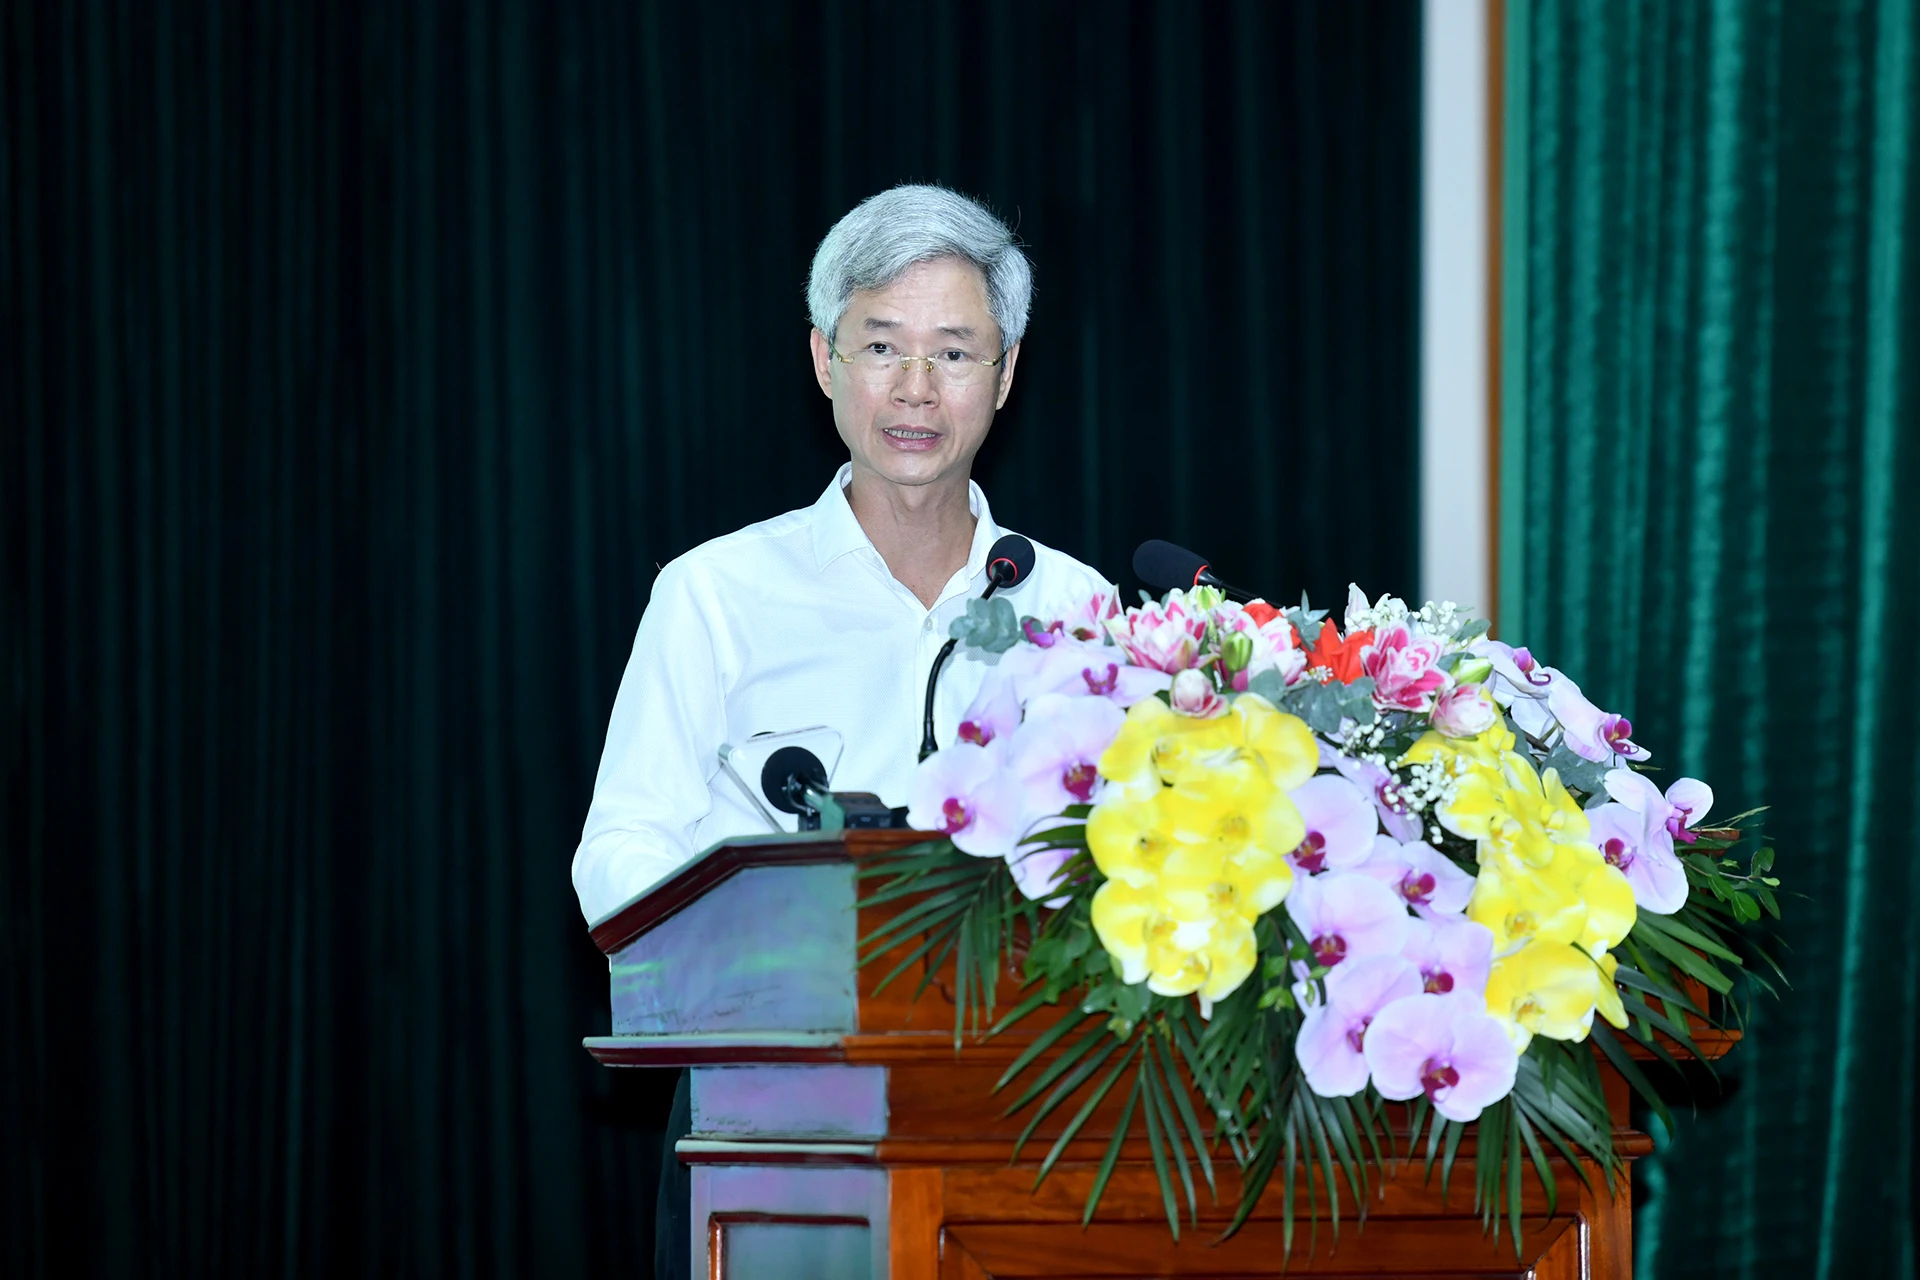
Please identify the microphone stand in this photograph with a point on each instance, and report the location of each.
(927, 744)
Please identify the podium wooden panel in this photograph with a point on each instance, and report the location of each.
(838, 1134)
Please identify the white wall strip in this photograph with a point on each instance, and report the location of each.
(1456, 521)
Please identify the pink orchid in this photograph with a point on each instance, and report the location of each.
(1396, 814)
(1681, 808)
(1425, 879)
(1402, 666)
(1331, 1046)
(995, 709)
(1165, 637)
(1345, 915)
(1465, 711)
(1636, 833)
(1445, 1047)
(1094, 670)
(1193, 695)
(1340, 825)
(1520, 684)
(1591, 733)
(1453, 954)
(963, 792)
(1036, 870)
(1053, 757)
(1642, 849)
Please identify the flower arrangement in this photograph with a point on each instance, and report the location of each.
(1300, 871)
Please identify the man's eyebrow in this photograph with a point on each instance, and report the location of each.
(960, 331)
(874, 322)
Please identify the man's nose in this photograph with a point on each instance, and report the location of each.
(916, 385)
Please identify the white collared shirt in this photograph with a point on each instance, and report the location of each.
(789, 623)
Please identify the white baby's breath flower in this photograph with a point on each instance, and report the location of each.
(1439, 619)
(1384, 612)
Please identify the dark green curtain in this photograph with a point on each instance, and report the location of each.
(1712, 458)
(358, 365)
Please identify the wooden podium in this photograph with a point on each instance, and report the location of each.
(837, 1133)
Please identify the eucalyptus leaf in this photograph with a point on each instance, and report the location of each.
(991, 625)
(1268, 685)
(1576, 771)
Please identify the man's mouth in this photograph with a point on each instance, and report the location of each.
(910, 434)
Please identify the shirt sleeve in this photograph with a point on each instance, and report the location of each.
(663, 739)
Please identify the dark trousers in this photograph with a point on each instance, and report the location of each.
(672, 1208)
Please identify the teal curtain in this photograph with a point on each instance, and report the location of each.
(1711, 463)
(358, 365)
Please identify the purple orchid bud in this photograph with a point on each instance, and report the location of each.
(1446, 1047)
(1045, 636)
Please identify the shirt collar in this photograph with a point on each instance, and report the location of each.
(836, 530)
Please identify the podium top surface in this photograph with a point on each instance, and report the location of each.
(707, 869)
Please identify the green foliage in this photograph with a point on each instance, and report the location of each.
(988, 624)
(1577, 773)
(1324, 706)
(1227, 1085)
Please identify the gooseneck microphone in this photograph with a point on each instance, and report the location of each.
(1008, 563)
(794, 781)
(1165, 565)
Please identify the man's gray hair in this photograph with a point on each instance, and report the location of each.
(884, 235)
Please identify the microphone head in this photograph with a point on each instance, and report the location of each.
(1163, 565)
(1010, 561)
(787, 775)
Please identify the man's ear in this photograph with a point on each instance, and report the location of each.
(1006, 376)
(822, 362)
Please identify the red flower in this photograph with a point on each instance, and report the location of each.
(1262, 613)
(1340, 656)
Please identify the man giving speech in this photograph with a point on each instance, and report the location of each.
(833, 614)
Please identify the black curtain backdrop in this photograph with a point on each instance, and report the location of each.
(360, 364)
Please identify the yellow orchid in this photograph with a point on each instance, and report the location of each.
(1521, 906)
(1283, 742)
(1575, 896)
(1244, 823)
(1610, 908)
(1486, 750)
(1551, 989)
(1515, 813)
(1174, 957)
(1128, 840)
(1193, 840)
(1157, 746)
